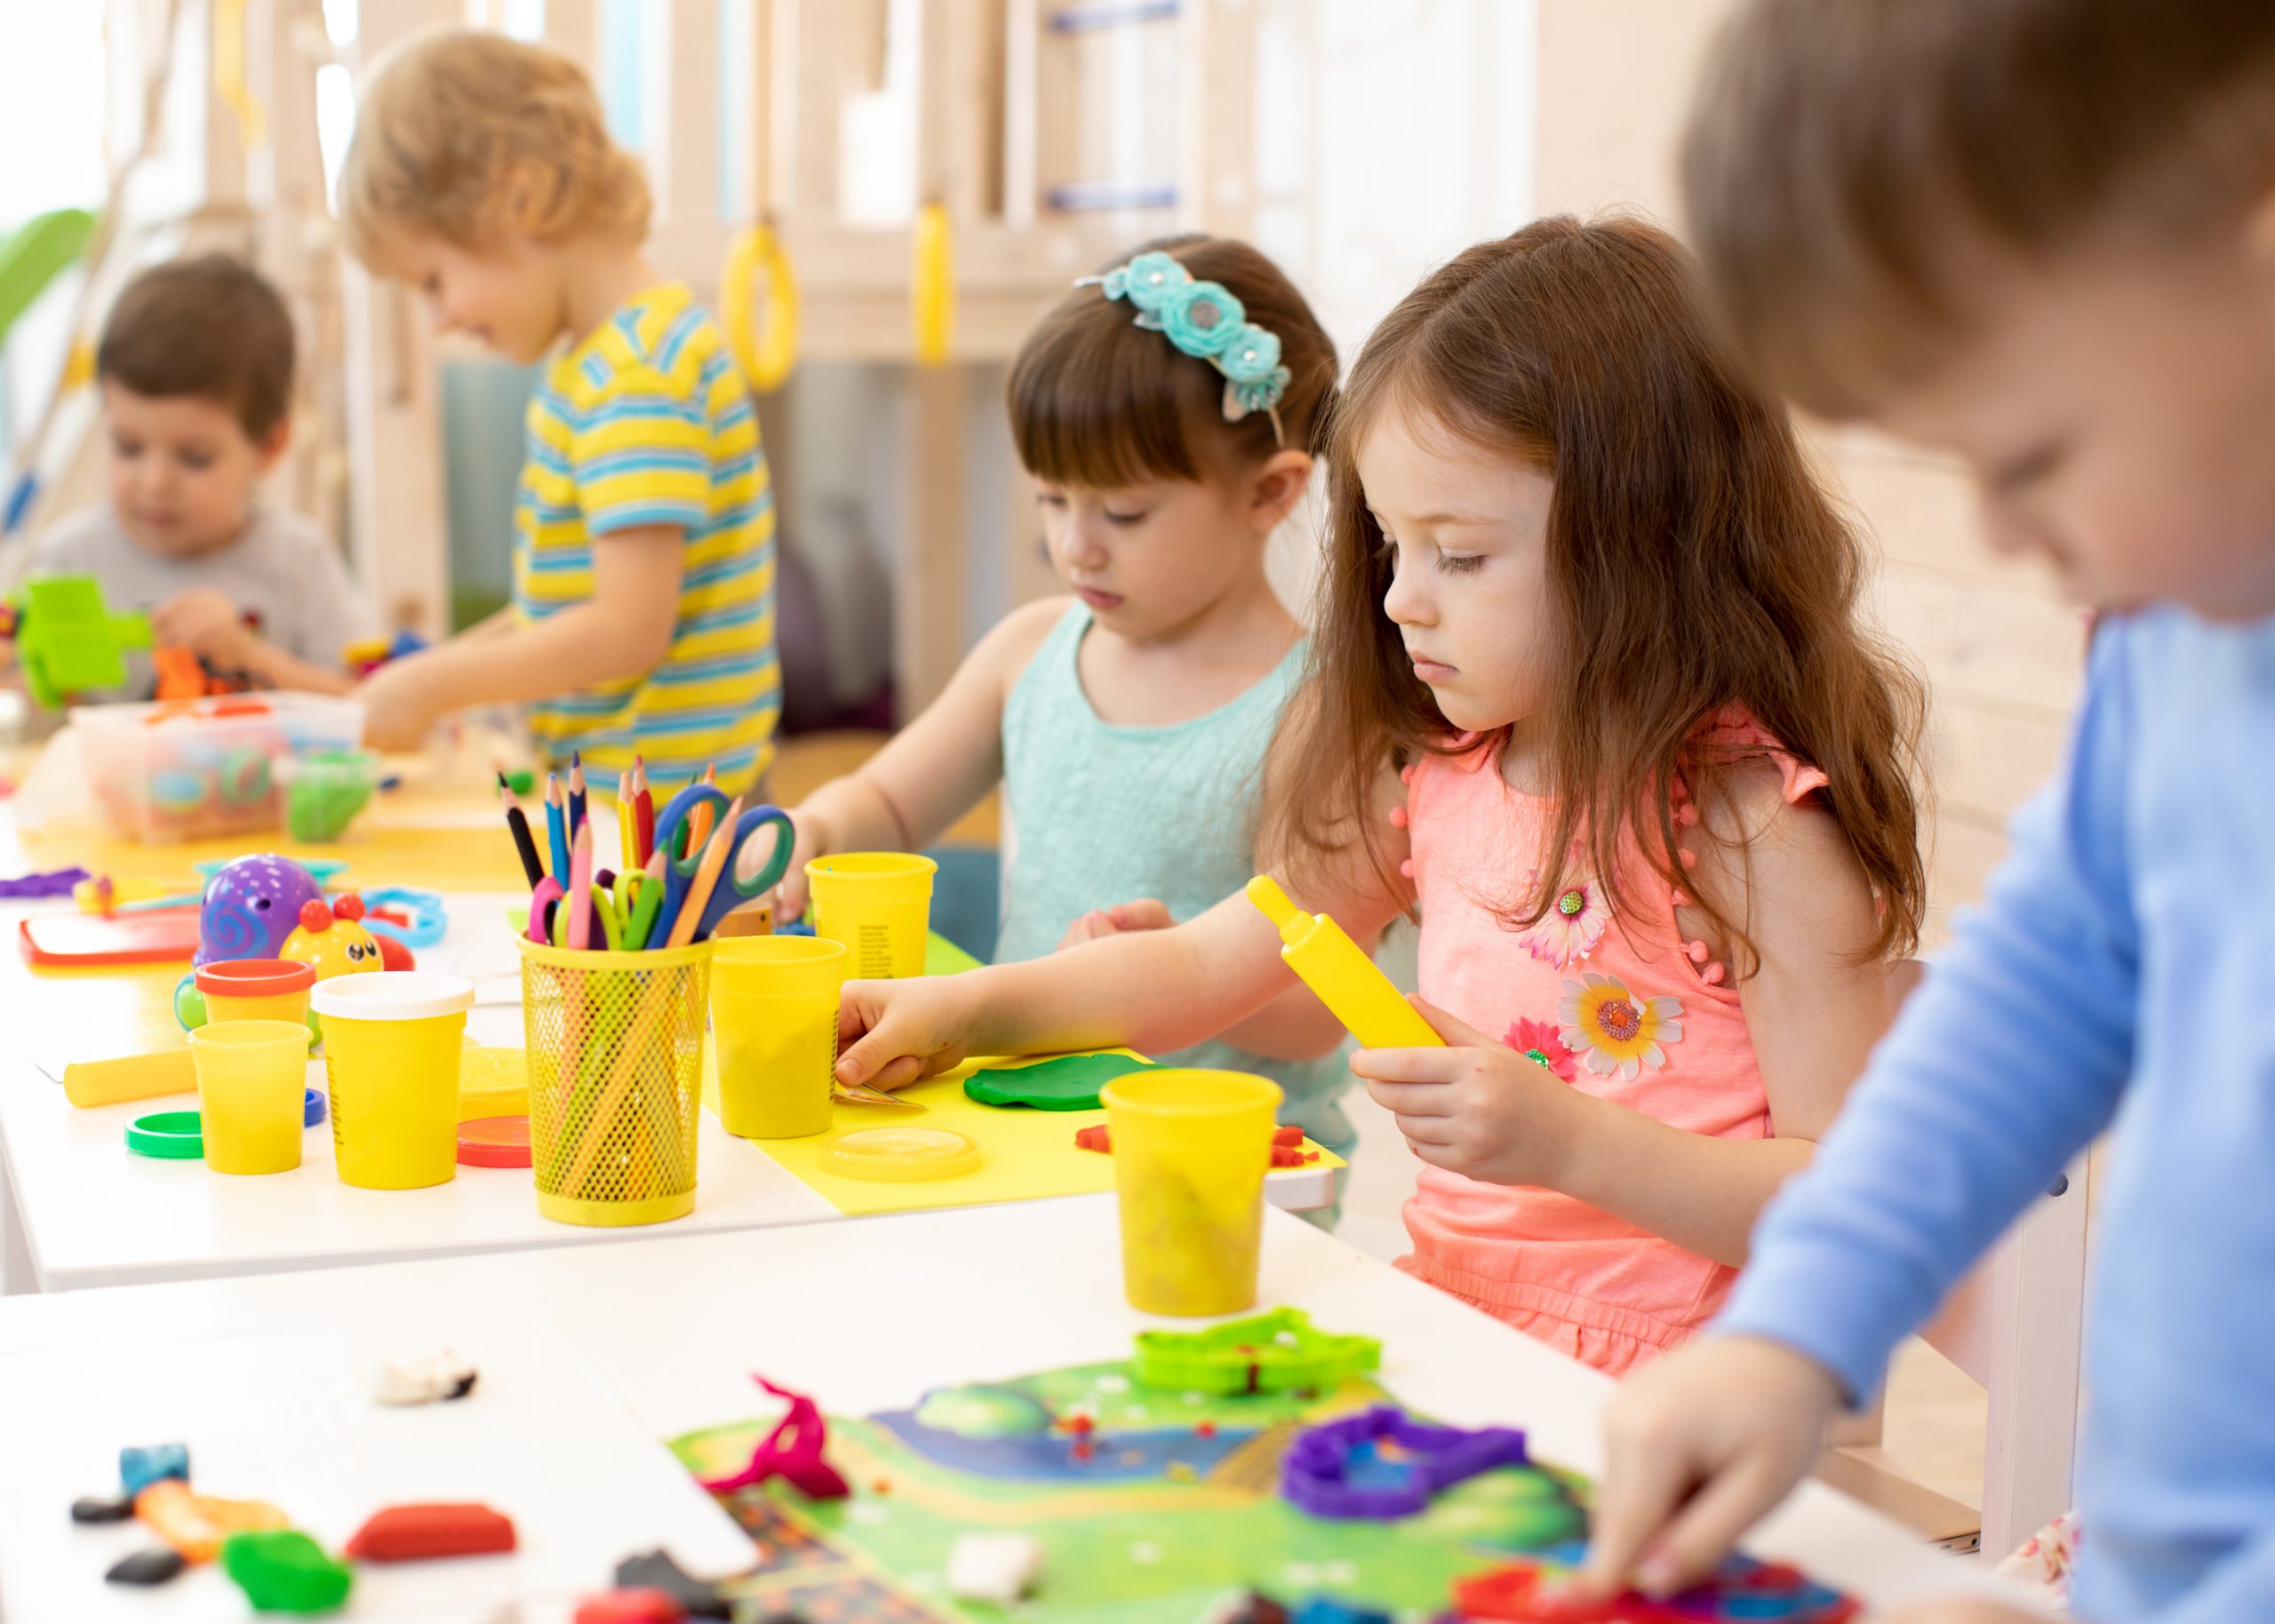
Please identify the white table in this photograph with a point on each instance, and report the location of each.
(85, 1213)
(863, 1315)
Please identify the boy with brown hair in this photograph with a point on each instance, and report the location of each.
(196, 369)
(2038, 236)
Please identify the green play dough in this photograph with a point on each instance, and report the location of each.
(1069, 1083)
(982, 1413)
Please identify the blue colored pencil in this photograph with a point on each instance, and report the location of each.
(556, 832)
(576, 793)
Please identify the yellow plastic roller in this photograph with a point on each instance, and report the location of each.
(932, 289)
(759, 298)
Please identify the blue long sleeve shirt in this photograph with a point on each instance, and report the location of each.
(2122, 969)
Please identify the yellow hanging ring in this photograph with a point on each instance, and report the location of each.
(759, 298)
(932, 292)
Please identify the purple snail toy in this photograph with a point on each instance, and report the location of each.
(250, 906)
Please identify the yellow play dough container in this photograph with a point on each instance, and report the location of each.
(251, 1091)
(255, 988)
(1191, 1149)
(879, 903)
(391, 1045)
(774, 1019)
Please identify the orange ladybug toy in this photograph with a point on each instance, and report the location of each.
(332, 940)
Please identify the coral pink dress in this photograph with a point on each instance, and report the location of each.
(1624, 1008)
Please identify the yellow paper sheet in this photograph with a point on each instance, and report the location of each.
(1027, 1154)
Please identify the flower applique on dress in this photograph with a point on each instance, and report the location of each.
(1572, 926)
(1537, 1040)
(1614, 1031)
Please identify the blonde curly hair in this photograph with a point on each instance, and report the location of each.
(463, 133)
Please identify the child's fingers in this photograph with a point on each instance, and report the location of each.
(1426, 1130)
(1146, 913)
(1643, 1483)
(1709, 1524)
(1452, 1028)
(1411, 1065)
(1417, 1100)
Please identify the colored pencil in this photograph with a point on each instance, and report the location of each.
(644, 904)
(698, 820)
(518, 821)
(576, 791)
(643, 808)
(556, 814)
(624, 820)
(579, 903)
(706, 879)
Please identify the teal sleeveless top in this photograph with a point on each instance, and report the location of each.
(1103, 814)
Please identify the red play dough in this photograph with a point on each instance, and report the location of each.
(412, 1533)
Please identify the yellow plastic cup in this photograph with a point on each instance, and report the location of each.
(1190, 1152)
(392, 1040)
(252, 1079)
(879, 903)
(255, 988)
(774, 1018)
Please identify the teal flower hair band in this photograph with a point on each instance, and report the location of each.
(1208, 323)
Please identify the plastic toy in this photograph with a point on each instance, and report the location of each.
(494, 1142)
(1740, 1591)
(1383, 1463)
(251, 906)
(413, 1534)
(54, 882)
(1070, 1082)
(139, 1466)
(67, 642)
(332, 940)
(284, 1570)
(791, 1452)
(131, 1077)
(1352, 986)
(413, 916)
(369, 655)
(154, 1566)
(1277, 1352)
(435, 1377)
(83, 940)
(168, 1135)
(1000, 1567)
(324, 790)
(656, 1571)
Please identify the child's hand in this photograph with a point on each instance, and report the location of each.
(399, 708)
(905, 1031)
(1477, 1108)
(208, 624)
(814, 839)
(1145, 913)
(1698, 1446)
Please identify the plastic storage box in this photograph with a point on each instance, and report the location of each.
(199, 769)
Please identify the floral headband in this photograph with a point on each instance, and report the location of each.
(1205, 321)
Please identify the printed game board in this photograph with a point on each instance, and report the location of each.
(1150, 1504)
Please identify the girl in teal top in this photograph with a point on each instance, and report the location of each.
(1166, 409)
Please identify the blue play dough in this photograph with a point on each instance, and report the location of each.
(140, 1466)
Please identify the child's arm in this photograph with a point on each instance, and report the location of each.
(1811, 1010)
(623, 631)
(2002, 1066)
(933, 770)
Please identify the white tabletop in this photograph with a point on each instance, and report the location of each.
(865, 1315)
(86, 1213)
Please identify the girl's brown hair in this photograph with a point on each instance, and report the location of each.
(463, 132)
(1693, 561)
(1097, 401)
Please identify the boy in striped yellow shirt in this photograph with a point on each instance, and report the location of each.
(642, 623)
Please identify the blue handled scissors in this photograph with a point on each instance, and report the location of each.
(734, 888)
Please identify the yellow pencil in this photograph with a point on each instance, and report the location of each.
(706, 878)
(624, 819)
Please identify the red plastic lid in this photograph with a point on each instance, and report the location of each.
(494, 1142)
(255, 977)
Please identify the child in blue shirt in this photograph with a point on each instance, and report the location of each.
(2039, 235)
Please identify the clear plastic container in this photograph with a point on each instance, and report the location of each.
(197, 770)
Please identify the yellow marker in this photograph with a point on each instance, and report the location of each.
(1354, 991)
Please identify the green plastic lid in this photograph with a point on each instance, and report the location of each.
(173, 1136)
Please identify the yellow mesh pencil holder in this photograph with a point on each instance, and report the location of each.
(615, 1048)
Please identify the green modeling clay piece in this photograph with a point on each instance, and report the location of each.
(1069, 1083)
(284, 1570)
(1277, 1352)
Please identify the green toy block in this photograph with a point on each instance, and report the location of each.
(1277, 1352)
(67, 642)
(284, 1571)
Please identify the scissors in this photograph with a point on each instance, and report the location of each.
(542, 900)
(732, 889)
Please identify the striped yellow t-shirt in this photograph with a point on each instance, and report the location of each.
(646, 422)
